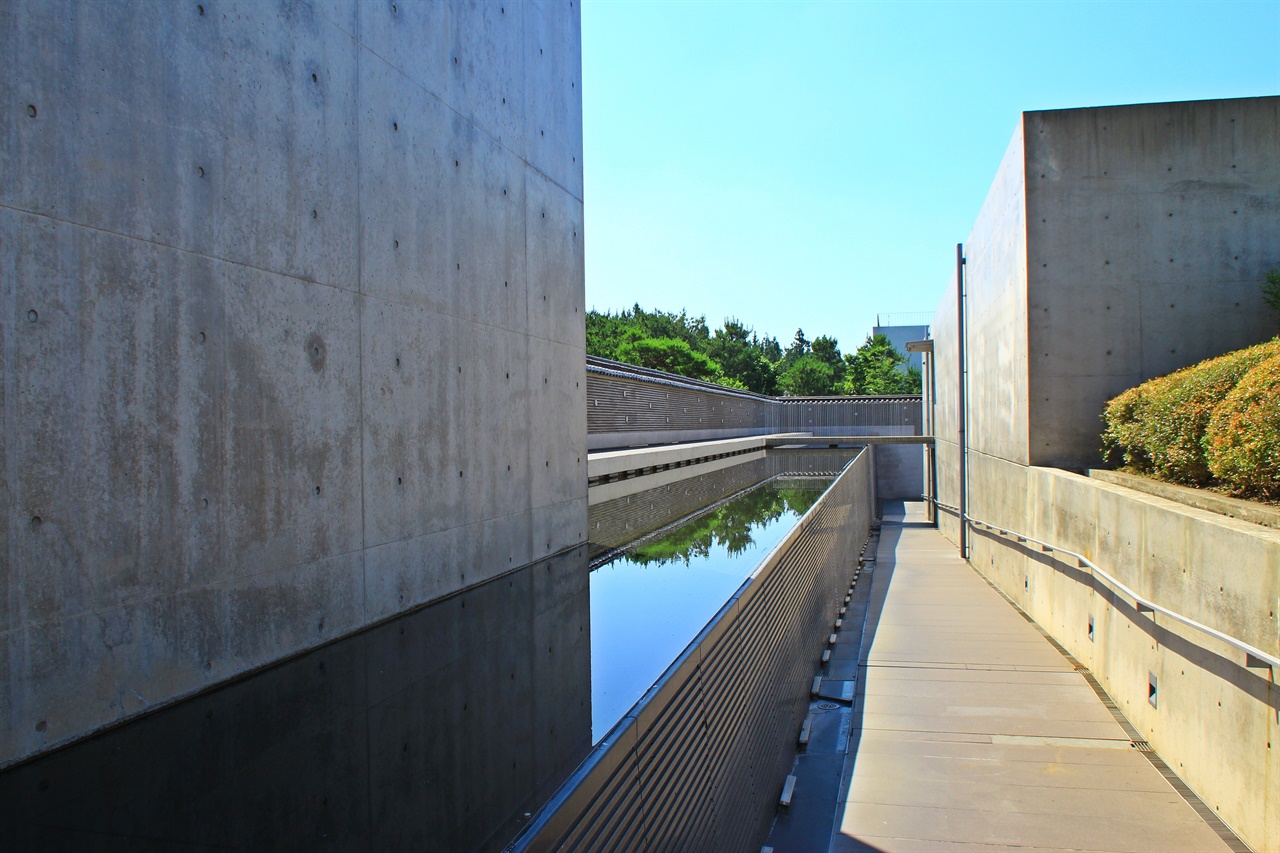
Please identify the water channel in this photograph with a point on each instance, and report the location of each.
(444, 728)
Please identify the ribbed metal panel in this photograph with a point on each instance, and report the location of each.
(622, 399)
(830, 414)
(699, 762)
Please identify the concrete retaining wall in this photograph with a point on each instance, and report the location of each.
(628, 406)
(1216, 721)
(1117, 244)
(292, 331)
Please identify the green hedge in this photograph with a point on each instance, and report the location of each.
(1243, 439)
(1163, 427)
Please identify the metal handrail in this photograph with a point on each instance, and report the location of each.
(1140, 602)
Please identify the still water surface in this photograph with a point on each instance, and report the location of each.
(650, 601)
(441, 729)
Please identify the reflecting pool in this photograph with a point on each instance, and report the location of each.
(655, 585)
(443, 728)
(649, 602)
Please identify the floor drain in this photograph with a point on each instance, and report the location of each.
(826, 706)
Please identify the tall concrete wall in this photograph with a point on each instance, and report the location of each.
(292, 331)
(1118, 244)
(1149, 229)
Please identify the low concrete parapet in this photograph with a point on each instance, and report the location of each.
(1209, 709)
(695, 764)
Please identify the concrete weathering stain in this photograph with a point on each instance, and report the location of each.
(279, 272)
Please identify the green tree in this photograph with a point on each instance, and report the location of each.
(828, 350)
(671, 355)
(1271, 289)
(771, 349)
(741, 357)
(808, 376)
(873, 369)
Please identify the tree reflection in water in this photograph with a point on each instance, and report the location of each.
(731, 525)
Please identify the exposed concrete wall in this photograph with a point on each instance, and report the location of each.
(1149, 229)
(1143, 235)
(995, 279)
(292, 332)
(1215, 721)
(899, 471)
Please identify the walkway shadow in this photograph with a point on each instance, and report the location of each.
(1254, 682)
(894, 519)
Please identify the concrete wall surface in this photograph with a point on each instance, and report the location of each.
(292, 331)
(1149, 230)
(899, 470)
(1117, 244)
(1215, 720)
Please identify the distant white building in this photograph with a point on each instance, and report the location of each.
(902, 327)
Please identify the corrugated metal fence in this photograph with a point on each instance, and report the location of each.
(699, 762)
(628, 405)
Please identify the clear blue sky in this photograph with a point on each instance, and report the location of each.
(811, 164)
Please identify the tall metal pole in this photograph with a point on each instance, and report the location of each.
(960, 407)
(932, 449)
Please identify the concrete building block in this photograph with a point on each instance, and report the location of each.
(995, 275)
(403, 573)
(78, 686)
(1242, 589)
(1172, 220)
(271, 265)
(414, 436)
(309, 604)
(407, 243)
(467, 56)
(443, 205)
(205, 173)
(497, 410)
(558, 526)
(1171, 336)
(291, 410)
(86, 378)
(557, 377)
(555, 254)
(553, 107)
(505, 542)
(1087, 148)
(1120, 532)
(1080, 237)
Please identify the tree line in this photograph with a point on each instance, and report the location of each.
(736, 356)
